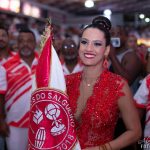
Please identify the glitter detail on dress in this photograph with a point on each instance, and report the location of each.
(99, 118)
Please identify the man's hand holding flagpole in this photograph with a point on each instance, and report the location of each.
(52, 125)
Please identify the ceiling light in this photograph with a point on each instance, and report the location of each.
(107, 12)
(147, 19)
(141, 16)
(89, 3)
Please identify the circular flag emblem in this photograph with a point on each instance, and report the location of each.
(51, 121)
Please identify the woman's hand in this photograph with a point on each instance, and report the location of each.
(106, 146)
(92, 148)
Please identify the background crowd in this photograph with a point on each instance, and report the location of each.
(131, 60)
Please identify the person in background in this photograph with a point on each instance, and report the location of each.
(132, 42)
(124, 61)
(5, 52)
(57, 43)
(71, 63)
(142, 50)
(14, 46)
(142, 97)
(97, 96)
(3, 125)
(148, 61)
(57, 39)
(15, 91)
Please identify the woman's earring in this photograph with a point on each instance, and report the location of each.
(105, 63)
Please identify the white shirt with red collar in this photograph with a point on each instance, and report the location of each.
(142, 100)
(77, 68)
(15, 83)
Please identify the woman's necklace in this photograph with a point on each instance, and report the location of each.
(92, 81)
(88, 84)
(86, 89)
(85, 93)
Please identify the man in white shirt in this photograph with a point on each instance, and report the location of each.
(71, 63)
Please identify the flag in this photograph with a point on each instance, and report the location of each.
(51, 125)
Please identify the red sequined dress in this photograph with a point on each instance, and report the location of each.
(101, 113)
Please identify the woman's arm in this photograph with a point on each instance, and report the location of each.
(141, 112)
(131, 120)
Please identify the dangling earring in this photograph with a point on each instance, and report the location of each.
(105, 63)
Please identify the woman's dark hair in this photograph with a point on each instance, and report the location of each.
(102, 23)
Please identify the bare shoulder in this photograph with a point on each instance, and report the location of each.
(127, 99)
(126, 85)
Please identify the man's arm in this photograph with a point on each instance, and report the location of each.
(129, 67)
(4, 130)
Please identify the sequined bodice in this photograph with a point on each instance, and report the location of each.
(100, 115)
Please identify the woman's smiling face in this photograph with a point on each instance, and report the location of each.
(92, 46)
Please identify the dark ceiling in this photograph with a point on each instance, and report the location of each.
(76, 7)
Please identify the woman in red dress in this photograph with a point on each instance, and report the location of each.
(97, 96)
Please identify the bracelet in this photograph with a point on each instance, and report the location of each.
(104, 147)
(110, 146)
